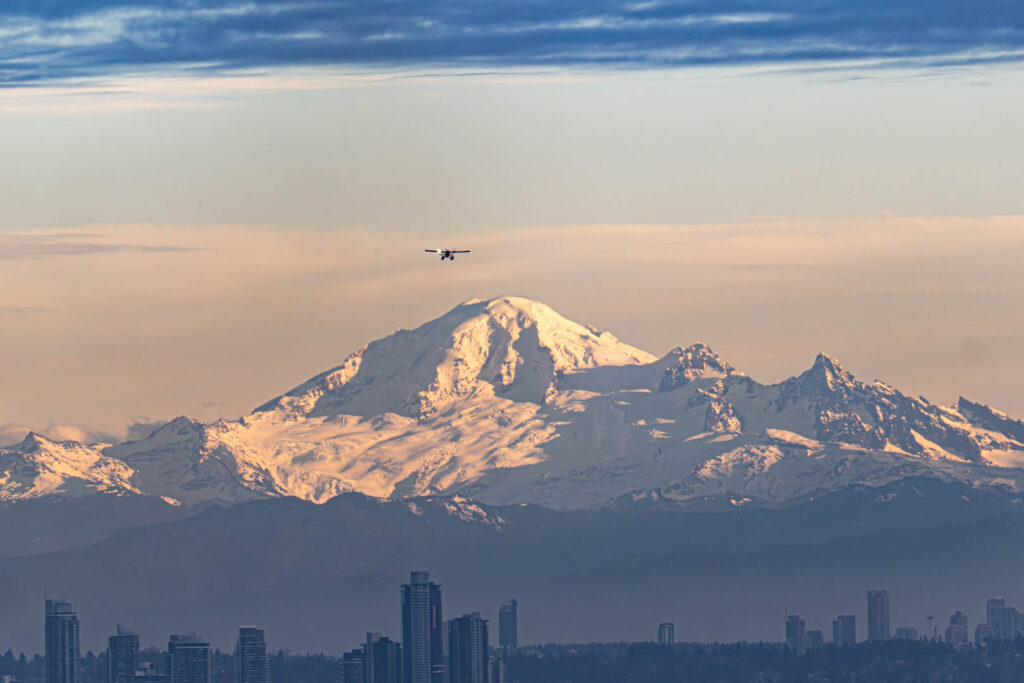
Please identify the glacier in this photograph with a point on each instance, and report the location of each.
(504, 401)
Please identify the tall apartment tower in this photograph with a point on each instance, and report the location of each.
(251, 663)
(1002, 619)
(422, 638)
(122, 656)
(353, 666)
(796, 633)
(878, 615)
(382, 660)
(992, 605)
(508, 627)
(844, 630)
(62, 653)
(667, 634)
(499, 671)
(956, 632)
(189, 657)
(468, 652)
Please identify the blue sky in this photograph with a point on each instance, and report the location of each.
(43, 40)
(205, 203)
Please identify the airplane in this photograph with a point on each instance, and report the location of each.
(447, 253)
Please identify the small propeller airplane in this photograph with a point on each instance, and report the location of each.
(447, 253)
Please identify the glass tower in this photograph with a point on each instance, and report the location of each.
(508, 627)
(422, 646)
(189, 656)
(62, 653)
(251, 664)
(122, 656)
(468, 652)
(878, 615)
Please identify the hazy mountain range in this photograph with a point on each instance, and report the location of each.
(505, 401)
(514, 451)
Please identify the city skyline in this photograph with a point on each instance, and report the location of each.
(470, 656)
(421, 616)
(725, 383)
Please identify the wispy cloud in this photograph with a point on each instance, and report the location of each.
(246, 313)
(65, 38)
(11, 433)
(39, 245)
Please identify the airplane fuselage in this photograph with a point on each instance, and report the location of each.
(447, 254)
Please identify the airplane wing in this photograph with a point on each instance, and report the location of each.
(457, 251)
(432, 251)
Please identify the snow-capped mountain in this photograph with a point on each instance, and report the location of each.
(505, 401)
(39, 467)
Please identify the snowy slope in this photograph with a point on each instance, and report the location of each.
(506, 401)
(39, 467)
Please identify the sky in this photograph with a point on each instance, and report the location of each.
(205, 203)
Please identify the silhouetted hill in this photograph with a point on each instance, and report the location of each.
(318, 576)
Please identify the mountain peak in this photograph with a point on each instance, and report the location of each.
(700, 352)
(827, 361)
(508, 347)
(32, 441)
(695, 361)
(180, 425)
(502, 306)
(507, 401)
(981, 415)
(35, 441)
(825, 380)
(828, 371)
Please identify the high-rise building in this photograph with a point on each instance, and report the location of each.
(468, 652)
(878, 615)
(189, 657)
(251, 663)
(62, 652)
(814, 640)
(382, 660)
(796, 633)
(982, 634)
(990, 605)
(956, 632)
(422, 637)
(148, 673)
(122, 656)
(352, 667)
(499, 671)
(905, 633)
(508, 627)
(1002, 619)
(667, 634)
(844, 630)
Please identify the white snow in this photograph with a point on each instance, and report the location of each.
(506, 401)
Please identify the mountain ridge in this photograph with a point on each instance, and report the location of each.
(292, 566)
(506, 401)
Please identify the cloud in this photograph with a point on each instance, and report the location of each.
(38, 245)
(14, 433)
(140, 428)
(249, 313)
(65, 38)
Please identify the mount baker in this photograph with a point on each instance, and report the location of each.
(505, 401)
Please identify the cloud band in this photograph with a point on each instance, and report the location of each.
(78, 38)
